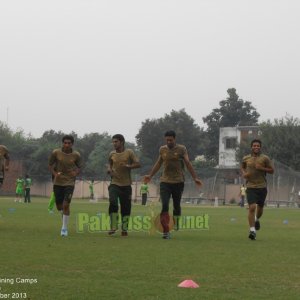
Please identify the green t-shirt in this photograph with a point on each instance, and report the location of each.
(144, 188)
(19, 184)
(91, 186)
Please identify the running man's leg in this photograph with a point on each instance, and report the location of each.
(252, 199)
(261, 195)
(165, 195)
(63, 197)
(125, 203)
(177, 191)
(114, 193)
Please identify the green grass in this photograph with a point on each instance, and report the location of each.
(222, 260)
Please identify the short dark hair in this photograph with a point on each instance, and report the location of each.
(170, 133)
(119, 137)
(255, 141)
(68, 137)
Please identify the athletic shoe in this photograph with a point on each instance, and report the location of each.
(252, 235)
(124, 233)
(64, 232)
(166, 236)
(112, 232)
(257, 225)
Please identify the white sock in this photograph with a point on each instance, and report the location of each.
(65, 221)
(252, 229)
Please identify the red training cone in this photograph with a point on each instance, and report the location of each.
(188, 284)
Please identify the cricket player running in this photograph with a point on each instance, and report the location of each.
(64, 164)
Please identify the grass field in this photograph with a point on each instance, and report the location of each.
(222, 260)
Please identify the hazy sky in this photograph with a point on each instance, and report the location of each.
(96, 66)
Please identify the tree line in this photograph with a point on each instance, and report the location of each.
(280, 137)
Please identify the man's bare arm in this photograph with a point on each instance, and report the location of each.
(154, 170)
(192, 170)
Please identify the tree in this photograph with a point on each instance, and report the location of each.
(151, 135)
(232, 112)
(86, 146)
(52, 136)
(98, 158)
(14, 141)
(36, 161)
(281, 140)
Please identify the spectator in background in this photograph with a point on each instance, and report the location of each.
(242, 195)
(91, 188)
(27, 186)
(144, 192)
(19, 189)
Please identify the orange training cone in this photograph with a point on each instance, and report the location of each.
(188, 284)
